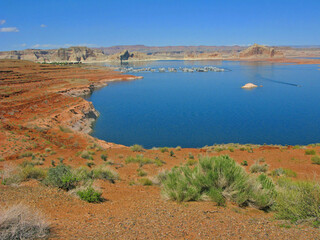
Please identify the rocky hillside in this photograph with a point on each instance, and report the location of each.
(72, 54)
(260, 51)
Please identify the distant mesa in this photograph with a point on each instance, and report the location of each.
(71, 54)
(260, 51)
(249, 86)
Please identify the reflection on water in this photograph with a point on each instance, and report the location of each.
(198, 109)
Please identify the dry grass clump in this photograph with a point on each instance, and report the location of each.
(218, 179)
(20, 222)
(298, 200)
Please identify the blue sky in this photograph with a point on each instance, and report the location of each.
(62, 23)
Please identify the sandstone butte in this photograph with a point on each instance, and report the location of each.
(40, 109)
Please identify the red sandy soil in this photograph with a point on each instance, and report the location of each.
(30, 100)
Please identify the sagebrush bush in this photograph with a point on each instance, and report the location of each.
(217, 178)
(103, 172)
(283, 172)
(31, 172)
(90, 195)
(145, 181)
(143, 160)
(310, 152)
(259, 168)
(62, 177)
(136, 148)
(315, 159)
(20, 222)
(297, 200)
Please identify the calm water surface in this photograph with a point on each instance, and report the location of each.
(198, 109)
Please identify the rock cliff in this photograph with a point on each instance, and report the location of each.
(260, 51)
(72, 54)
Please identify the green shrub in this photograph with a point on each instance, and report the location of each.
(283, 172)
(145, 181)
(62, 177)
(90, 163)
(139, 159)
(244, 163)
(297, 200)
(164, 149)
(310, 152)
(31, 172)
(26, 154)
(136, 148)
(178, 148)
(103, 172)
(190, 155)
(315, 159)
(141, 172)
(86, 155)
(191, 162)
(259, 168)
(90, 195)
(82, 174)
(217, 178)
(104, 157)
(171, 153)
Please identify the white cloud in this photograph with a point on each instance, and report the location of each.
(43, 25)
(23, 45)
(2, 22)
(9, 29)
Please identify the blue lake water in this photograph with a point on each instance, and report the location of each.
(204, 108)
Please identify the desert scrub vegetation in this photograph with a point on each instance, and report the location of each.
(257, 167)
(145, 182)
(310, 152)
(143, 160)
(298, 200)
(62, 177)
(25, 171)
(218, 179)
(283, 172)
(103, 172)
(164, 149)
(315, 160)
(136, 148)
(20, 222)
(90, 194)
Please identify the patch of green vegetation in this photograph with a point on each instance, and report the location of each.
(164, 149)
(136, 148)
(310, 152)
(259, 168)
(87, 155)
(104, 157)
(191, 162)
(141, 172)
(145, 182)
(297, 200)
(315, 160)
(143, 160)
(62, 177)
(90, 195)
(26, 154)
(244, 163)
(218, 178)
(283, 172)
(103, 172)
